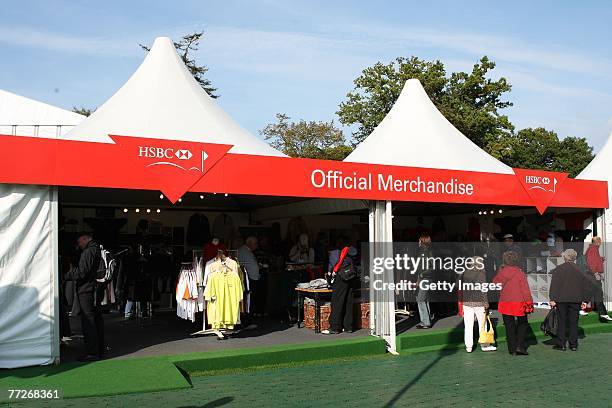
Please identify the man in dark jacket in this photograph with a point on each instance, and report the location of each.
(569, 290)
(85, 275)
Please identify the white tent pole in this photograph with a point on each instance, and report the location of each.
(55, 315)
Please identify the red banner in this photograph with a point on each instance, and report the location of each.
(175, 167)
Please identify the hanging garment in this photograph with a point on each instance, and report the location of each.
(223, 292)
(198, 230)
(223, 228)
(187, 294)
(575, 221)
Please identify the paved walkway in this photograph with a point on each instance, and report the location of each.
(545, 378)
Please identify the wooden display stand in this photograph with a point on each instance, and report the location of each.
(361, 315)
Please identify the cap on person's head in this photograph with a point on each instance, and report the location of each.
(508, 236)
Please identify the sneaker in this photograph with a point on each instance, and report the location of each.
(488, 348)
(421, 326)
(468, 349)
(583, 313)
(605, 317)
(329, 332)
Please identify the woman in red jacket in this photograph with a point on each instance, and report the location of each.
(515, 302)
(595, 264)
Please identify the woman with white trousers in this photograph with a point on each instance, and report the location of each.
(475, 303)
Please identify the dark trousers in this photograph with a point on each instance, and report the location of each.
(92, 324)
(568, 320)
(341, 305)
(598, 298)
(258, 296)
(516, 329)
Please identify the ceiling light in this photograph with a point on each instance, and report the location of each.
(201, 196)
(501, 211)
(180, 200)
(479, 212)
(161, 196)
(125, 210)
(226, 194)
(158, 210)
(138, 210)
(148, 210)
(492, 211)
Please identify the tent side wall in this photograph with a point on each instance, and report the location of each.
(29, 329)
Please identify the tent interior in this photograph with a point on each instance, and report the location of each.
(122, 219)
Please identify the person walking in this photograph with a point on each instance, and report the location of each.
(595, 265)
(475, 303)
(424, 273)
(515, 302)
(569, 288)
(87, 299)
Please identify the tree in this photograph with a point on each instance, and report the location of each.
(83, 111)
(314, 140)
(470, 101)
(185, 47)
(541, 149)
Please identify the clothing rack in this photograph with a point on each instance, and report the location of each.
(220, 333)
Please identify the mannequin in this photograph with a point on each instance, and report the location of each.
(301, 251)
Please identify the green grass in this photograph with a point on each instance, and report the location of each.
(160, 373)
(452, 339)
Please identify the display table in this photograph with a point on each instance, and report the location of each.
(316, 295)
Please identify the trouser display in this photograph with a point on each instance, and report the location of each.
(424, 307)
(516, 330)
(568, 320)
(92, 324)
(468, 320)
(341, 306)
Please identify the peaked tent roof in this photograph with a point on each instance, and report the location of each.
(600, 168)
(162, 100)
(34, 118)
(415, 134)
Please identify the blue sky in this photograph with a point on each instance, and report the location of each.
(300, 57)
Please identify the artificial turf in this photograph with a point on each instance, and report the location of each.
(162, 373)
(449, 339)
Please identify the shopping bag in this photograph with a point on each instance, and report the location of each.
(487, 335)
(550, 325)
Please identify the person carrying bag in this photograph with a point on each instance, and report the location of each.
(343, 277)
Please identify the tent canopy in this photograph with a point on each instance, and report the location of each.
(26, 117)
(162, 100)
(415, 134)
(601, 166)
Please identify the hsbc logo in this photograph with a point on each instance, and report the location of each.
(542, 183)
(163, 153)
(165, 156)
(183, 154)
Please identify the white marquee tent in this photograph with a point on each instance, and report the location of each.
(601, 169)
(161, 100)
(28, 243)
(415, 134)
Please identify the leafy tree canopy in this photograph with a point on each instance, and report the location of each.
(314, 140)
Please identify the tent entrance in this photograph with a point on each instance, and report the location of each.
(128, 219)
